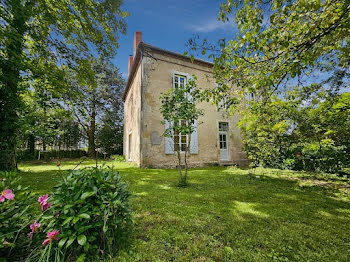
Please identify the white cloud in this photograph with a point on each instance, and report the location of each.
(210, 26)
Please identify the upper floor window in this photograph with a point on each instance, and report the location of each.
(179, 80)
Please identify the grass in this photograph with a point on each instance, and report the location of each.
(225, 215)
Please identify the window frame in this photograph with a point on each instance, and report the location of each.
(178, 142)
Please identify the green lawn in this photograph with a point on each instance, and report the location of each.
(224, 215)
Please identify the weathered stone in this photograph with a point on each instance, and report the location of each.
(156, 139)
(142, 116)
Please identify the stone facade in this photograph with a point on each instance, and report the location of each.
(151, 74)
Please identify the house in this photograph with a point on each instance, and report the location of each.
(153, 71)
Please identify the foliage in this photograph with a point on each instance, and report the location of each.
(110, 139)
(14, 218)
(280, 49)
(39, 39)
(90, 209)
(278, 41)
(45, 121)
(179, 106)
(295, 135)
(224, 215)
(99, 103)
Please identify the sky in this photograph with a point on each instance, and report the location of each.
(168, 24)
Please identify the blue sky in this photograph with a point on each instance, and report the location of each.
(168, 24)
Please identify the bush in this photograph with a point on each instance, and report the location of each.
(90, 209)
(14, 217)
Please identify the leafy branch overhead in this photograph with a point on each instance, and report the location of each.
(279, 43)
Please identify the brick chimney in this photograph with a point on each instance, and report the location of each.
(137, 40)
(131, 58)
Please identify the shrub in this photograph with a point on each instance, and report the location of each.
(90, 210)
(15, 204)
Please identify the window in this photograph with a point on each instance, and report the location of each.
(223, 126)
(223, 141)
(180, 140)
(179, 81)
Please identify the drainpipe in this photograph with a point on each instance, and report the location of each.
(140, 116)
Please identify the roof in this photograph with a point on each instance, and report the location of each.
(143, 46)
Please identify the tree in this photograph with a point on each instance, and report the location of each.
(45, 120)
(298, 50)
(179, 110)
(37, 39)
(110, 134)
(97, 103)
(278, 43)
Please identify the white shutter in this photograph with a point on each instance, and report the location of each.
(194, 139)
(173, 80)
(168, 141)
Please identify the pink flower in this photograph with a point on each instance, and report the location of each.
(34, 227)
(5, 243)
(7, 194)
(51, 236)
(43, 202)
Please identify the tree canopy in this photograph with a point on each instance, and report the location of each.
(284, 69)
(38, 40)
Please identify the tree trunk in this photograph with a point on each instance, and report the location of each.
(9, 91)
(31, 145)
(91, 135)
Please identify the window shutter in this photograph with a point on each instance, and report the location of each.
(173, 80)
(194, 139)
(168, 141)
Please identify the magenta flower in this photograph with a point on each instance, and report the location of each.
(43, 202)
(34, 227)
(7, 193)
(51, 236)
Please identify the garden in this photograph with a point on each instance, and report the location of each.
(224, 214)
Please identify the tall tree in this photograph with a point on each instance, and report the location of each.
(278, 44)
(285, 55)
(93, 103)
(37, 38)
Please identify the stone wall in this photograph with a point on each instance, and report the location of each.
(157, 78)
(132, 113)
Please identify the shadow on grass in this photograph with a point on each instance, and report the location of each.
(225, 214)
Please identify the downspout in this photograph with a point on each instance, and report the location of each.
(140, 116)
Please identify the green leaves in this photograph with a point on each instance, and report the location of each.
(82, 240)
(92, 219)
(87, 194)
(87, 216)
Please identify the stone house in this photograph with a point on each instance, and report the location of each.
(153, 71)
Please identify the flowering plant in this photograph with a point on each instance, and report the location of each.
(89, 213)
(15, 202)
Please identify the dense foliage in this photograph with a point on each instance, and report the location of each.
(295, 135)
(284, 71)
(38, 40)
(90, 209)
(98, 105)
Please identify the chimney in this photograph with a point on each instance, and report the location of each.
(131, 58)
(137, 40)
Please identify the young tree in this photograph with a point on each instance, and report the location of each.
(92, 104)
(37, 38)
(179, 110)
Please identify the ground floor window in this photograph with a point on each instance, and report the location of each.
(180, 140)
